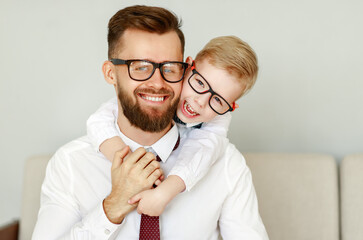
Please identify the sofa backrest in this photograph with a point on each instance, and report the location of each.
(351, 190)
(297, 195)
(33, 178)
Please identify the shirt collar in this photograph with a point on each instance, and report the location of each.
(188, 125)
(163, 147)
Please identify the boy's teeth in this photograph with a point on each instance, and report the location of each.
(189, 109)
(153, 99)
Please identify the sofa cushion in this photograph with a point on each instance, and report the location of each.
(297, 194)
(33, 178)
(351, 184)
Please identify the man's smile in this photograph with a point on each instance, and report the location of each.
(151, 98)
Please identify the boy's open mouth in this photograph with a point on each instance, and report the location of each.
(189, 110)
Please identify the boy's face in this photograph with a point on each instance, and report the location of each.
(194, 107)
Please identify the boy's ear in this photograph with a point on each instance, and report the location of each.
(234, 106)
(189, 60)
(108, 70)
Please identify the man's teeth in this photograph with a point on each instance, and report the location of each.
(153, 99)
(189, 109)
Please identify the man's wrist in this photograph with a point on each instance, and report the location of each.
(114, 211)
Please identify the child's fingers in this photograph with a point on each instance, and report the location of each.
(139, 210)
(135, 199)
(119, 156)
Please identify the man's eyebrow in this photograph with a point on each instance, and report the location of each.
(148, 59)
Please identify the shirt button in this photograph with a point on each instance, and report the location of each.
(107, 231)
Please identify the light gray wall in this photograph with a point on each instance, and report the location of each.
(307, 97)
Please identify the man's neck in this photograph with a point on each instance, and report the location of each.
(136, 134)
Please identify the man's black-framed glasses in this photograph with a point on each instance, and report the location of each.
(142, 70)
(216, 102)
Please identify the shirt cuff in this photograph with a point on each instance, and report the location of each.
(180, 172)
(101, 227)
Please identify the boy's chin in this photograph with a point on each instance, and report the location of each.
(185, 119)
(197, 119)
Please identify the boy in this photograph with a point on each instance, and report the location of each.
(223, 71)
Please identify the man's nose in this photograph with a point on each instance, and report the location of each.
(156, 81)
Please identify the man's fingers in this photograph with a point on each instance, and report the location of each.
(155, 176)
(135, 156)
(145, 160)
(150, 168)
(157, 182)
(119, 156)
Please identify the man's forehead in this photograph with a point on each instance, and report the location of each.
(137, 44)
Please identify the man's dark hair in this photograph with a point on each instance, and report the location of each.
(145, 18)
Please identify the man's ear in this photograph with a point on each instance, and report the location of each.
(108, 70)
(189, 60)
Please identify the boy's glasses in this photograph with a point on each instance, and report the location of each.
(216, 102)
(142, 70)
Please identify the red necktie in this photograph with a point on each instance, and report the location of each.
(149, 226)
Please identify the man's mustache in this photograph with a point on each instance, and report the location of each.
(153, 91)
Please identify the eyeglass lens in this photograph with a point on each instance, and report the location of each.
(142, 70)
(200, 85)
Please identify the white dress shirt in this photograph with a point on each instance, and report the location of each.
(78, 179)
(202, 148)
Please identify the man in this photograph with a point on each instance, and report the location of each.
(84, 197)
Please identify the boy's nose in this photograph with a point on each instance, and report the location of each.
(202, 99)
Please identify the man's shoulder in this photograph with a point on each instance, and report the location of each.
(234, 157)
(234, 163)
(77, 149)
(77, 145)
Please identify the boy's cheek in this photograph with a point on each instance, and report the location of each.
(185, 90)
(207, 116)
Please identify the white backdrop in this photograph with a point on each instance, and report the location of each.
(307, 97)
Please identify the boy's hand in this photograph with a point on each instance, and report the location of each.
(152, 202)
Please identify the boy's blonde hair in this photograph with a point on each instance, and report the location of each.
(234, 55)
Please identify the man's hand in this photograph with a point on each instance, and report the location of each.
(130, 175)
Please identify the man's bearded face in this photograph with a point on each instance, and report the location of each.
(148, 119)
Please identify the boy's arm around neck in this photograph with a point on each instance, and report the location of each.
(201, 149)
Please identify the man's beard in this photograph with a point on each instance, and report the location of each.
(149, 122)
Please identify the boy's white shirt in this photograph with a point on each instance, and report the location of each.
(202, 148)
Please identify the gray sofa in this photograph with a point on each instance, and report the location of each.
(301, 196)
